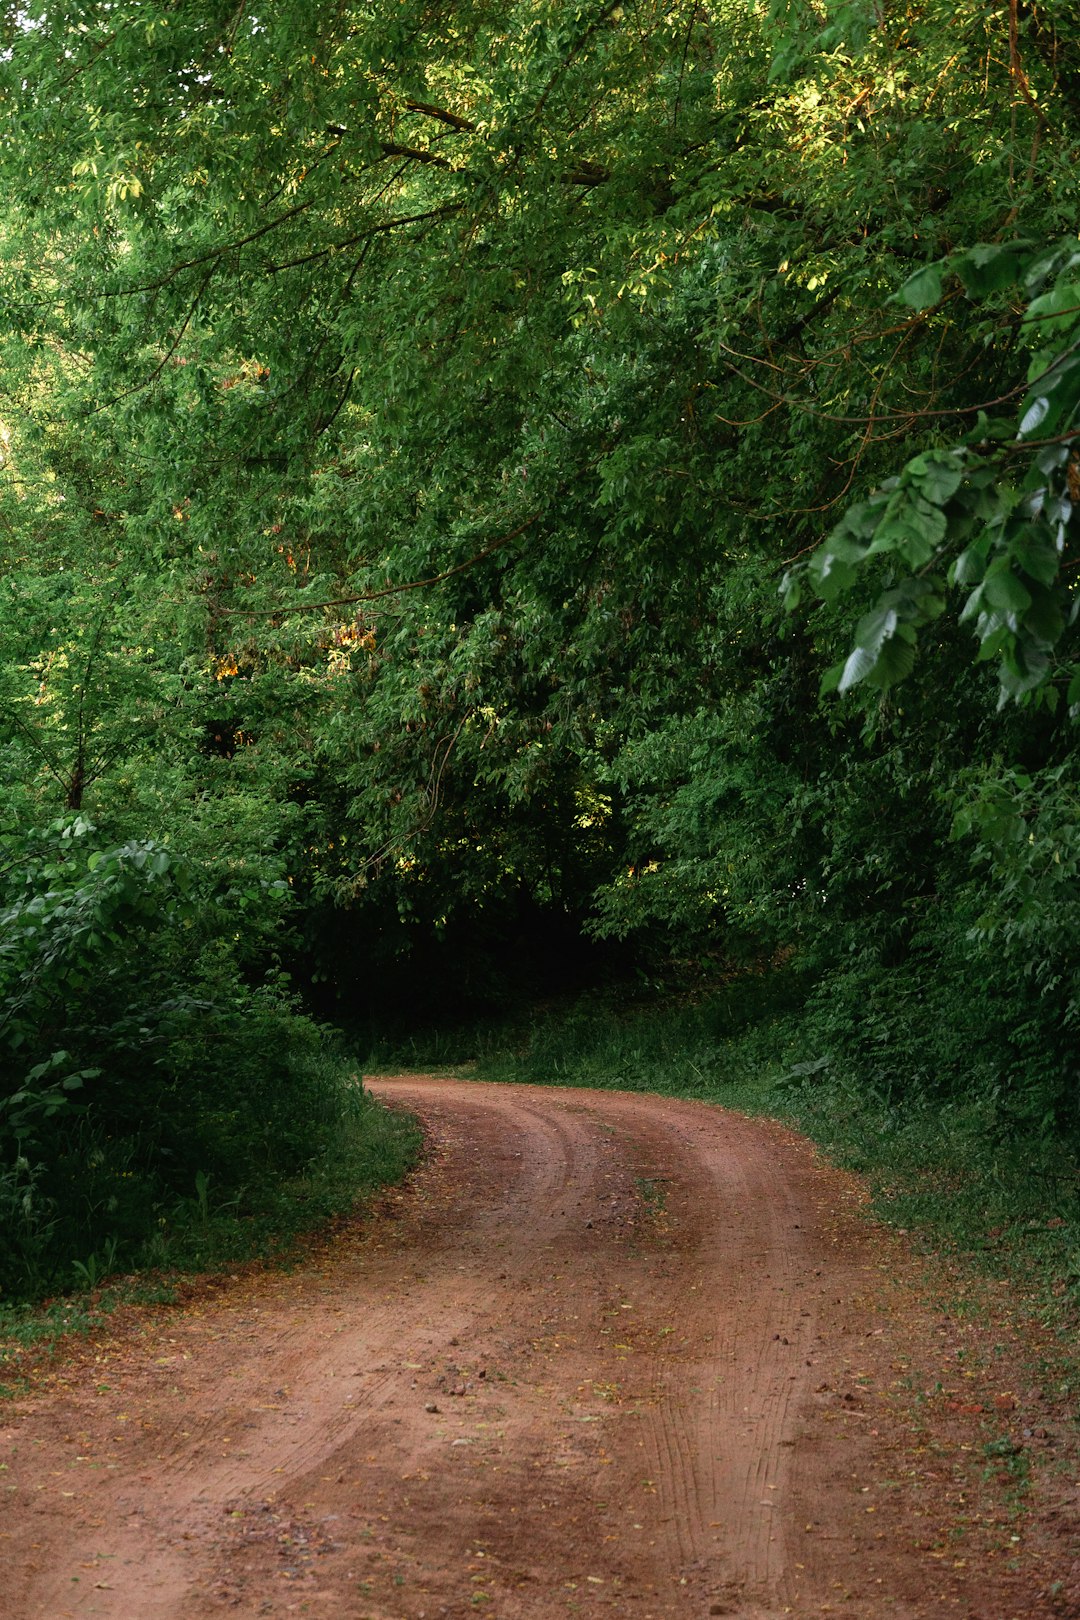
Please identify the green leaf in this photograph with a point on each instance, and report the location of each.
(931, 606)
(911, 527)
(1034, 550)
(922, 289)
(856, 668)
(1020, 676)
(1033, 417)
(895, 663)
(875, 657)
(992, 266)
(994, 634)
(831, 678)
(1004, 591)
(874, 629)
(970, 566)
(1055, 313)
(791, 591)
(1051, 457)
(1059, 393)
(831, 567)
(938, 475)
(1044, 619)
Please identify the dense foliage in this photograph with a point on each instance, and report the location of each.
(146, 1073)
(448, 456)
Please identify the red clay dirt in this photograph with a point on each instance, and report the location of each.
(605, 1355)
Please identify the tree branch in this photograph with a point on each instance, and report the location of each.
(388, 590)
(212, 254)
(416, 153)
(442, 212)
(454, 120)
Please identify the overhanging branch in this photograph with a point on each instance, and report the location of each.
(388, 590)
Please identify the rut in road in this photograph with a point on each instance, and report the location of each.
(578, 1368)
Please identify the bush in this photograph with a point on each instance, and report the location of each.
(139, 1061)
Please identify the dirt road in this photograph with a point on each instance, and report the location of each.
(607, 1355)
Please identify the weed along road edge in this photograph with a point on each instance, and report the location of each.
(606, 1354)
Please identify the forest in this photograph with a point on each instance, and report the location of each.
(552, 519)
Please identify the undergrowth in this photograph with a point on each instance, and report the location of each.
(371, 1147)
(374, 1148)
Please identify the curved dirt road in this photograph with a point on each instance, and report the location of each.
(607, 1355)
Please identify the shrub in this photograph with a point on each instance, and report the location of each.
(137, 1058)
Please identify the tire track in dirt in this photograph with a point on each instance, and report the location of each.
(586, 1364)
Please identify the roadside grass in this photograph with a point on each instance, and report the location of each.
(372, 1148)
(375, 1148)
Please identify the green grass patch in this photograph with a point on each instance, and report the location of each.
(947, 1172)
(41, 1327)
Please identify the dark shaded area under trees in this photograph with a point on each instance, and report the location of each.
(497, 501)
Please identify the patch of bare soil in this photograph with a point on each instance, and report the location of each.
(605, 1355)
